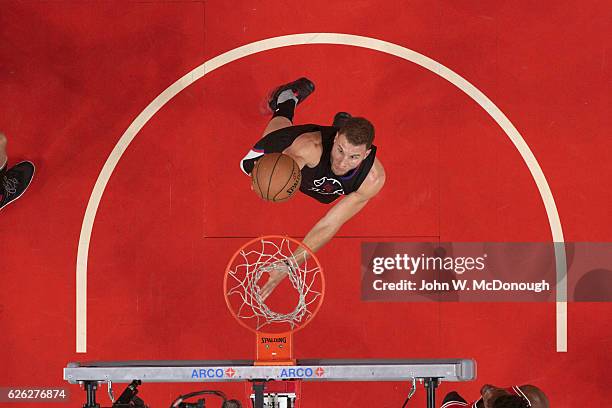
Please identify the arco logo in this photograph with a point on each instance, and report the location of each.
(297, 372)
(207, 373)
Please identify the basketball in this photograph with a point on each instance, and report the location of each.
(276, 177)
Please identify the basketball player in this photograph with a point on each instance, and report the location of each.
(13, 181)
(335, 161)
(524, 396)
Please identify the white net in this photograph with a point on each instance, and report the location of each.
(273, 257)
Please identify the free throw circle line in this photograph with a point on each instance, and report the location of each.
(328, 39)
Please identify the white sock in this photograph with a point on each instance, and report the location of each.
(286, 95)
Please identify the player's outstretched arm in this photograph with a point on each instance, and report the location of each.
(325, 229)
(328, 226)
(319, 235)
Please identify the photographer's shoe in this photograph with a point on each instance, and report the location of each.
(15, 181)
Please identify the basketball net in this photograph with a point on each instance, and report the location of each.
(290, 306)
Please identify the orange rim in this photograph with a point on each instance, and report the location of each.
(312, 256)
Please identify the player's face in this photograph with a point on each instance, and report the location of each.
(345, 156)
(490, 393)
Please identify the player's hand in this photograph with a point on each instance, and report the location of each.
(2, 142)
(277, 273)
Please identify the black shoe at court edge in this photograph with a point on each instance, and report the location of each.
(340, 119)
(15, 181)
(301, 88)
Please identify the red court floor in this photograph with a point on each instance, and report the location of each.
(74, 75)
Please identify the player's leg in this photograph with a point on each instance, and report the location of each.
(3, 156)
(277, 122)
(283, 101)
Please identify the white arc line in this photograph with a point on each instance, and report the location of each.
(329, 39)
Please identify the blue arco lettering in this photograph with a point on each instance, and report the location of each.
(296, 372)
(207, 373)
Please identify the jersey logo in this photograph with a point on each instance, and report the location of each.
(327, 186)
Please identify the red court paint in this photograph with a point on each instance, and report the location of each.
(75, 75)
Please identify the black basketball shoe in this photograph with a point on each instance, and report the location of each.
(15, 181)
(340, 119)
(301, 89)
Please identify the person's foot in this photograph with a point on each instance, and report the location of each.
(340, 119)
(15, 181)
(301, 89)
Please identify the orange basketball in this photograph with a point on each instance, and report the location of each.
(276, 177)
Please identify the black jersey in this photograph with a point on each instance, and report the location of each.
(318, 182)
